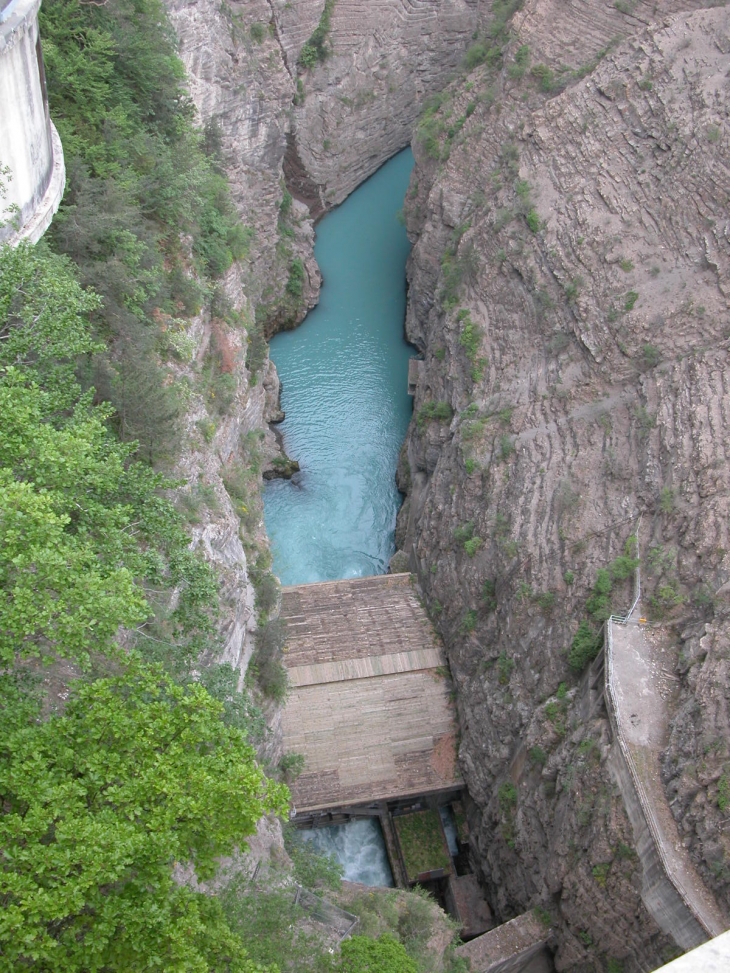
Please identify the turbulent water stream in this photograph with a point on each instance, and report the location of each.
(344, 378)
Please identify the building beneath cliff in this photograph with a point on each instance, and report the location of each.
(31, 158)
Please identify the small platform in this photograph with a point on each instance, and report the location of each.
(415, 366)
(369, 705)
(517, 946)
(466, 903)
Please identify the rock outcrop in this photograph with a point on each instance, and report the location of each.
(358, 107)
(343, 118)
(240, 84)
(569, 291)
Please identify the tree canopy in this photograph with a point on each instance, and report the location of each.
(140, 770)
(384, 955)
(99, 803)
(85, 531)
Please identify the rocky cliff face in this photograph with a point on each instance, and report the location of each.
(357, 108)
(329, 127)
(569, 290)
(239, 82)
(326, 127)
(243, 92)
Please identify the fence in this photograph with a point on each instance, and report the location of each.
(340, 922)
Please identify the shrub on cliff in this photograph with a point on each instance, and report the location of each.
(437, 411)
(270, 638)
(101, 798)
(85, 530)
(145, 194)
(384, 955)
(584, 647)
(317, 48)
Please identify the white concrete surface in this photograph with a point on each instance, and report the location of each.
(711, 957)
(29, 145)
(639, 686)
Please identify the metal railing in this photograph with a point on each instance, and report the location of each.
(625, 619)
(645, 802)
(340, 922)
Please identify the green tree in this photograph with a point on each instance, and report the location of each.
(81, 530)
(44, 327)
(145, 193)
(64, 586)
(384, 955)
(84, 531)
(584, 647)
(99, 803)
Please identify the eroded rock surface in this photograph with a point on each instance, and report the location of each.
(241, 61)
(569, 290)
(358, 108)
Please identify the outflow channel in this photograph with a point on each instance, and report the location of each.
(344, 391)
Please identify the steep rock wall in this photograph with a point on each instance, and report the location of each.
(239, 82)
(241, 62)
(357, 108)
(578, 376)
(569, 289)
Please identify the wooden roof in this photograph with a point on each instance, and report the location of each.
(369, 705)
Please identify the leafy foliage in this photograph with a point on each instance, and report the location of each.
(138, 772)
(140, 178)
(584, 647)
(317, 48)
(384, 955)
(422, 843)
(44, 326)
(723, 791)
(67, 574)
(437, 411)
(221, 682)
(83, 528)
(273, 925)
(295, 284)
(272, 677)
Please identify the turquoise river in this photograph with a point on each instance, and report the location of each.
(344, 392)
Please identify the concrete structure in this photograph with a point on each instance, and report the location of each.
(370, 709)
(370, 705)
(415, 367)
(638, 683)
(30, 148)
(711, 957)
(517, 946)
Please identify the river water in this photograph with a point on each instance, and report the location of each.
(344, 373)
(344, 376)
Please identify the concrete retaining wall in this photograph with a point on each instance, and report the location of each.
(658, 893)
(661, 892)
(29, 146)
(517, 946)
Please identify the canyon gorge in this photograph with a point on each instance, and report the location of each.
(568, 296)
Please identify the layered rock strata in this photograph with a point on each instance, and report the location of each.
(569, 290)
(358, 107)
(241, 60)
